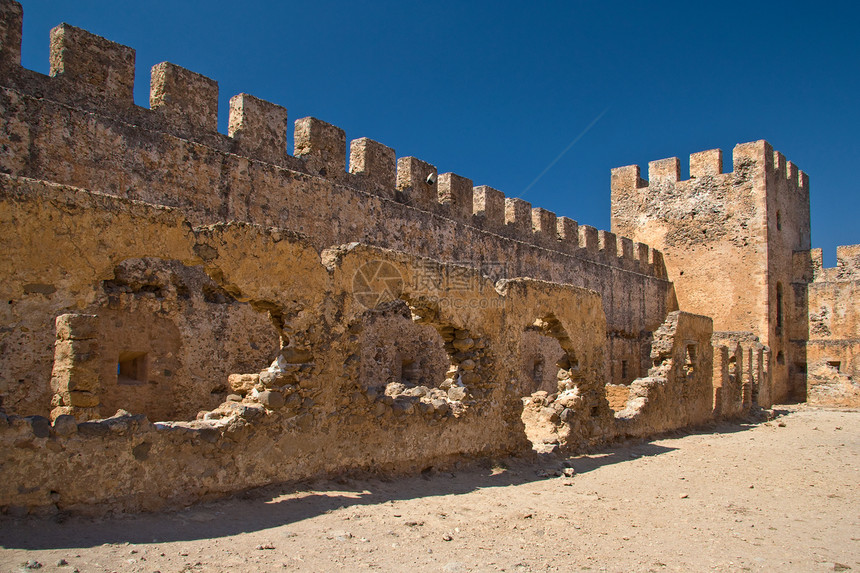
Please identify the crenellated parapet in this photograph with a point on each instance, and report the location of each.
(808, 266)
(749, 160)
(95, 75)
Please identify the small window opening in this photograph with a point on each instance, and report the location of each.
(779, 308)
(537, 372)
(624, 370)
(409, 372)
(778, 221)
(690, 362)
(780, 358)
(733, 366)
(834, 363)
(131, 368)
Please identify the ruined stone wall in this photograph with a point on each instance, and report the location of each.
(828, 350)
(683, 361)
(191, 332)
(238, 301)
(327, 404)
(740, 376)
(727, 238)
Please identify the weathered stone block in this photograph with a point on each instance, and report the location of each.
(11, 22)
(242, 383)
(259, 128)
(626, 177)
(322, 146)
(68, 353)
(489, 204)
(64, 424)
(75, 377)
(758, 152)
(416, 179)
(518, 216)
(375, 161)
(625, 248)
(81, 399)
(544, 225)
(40, 426)
(271, 399)
(664, 170)
(105, 68)
(456, 192)
(607, 243)
(184, 98)
(568, 232)
(640, 252)
(588, 238)
(706, 163)
(76, 326)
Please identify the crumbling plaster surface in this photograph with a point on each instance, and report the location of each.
(683, 361)
(311, 406)
(92, 255)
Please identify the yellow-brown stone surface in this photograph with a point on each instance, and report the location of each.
(189, 314)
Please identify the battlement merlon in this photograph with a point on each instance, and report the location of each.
(186, 99)
(518, 216)
(416, 182)
(568, 233)
(375, 161)
(848, 258)
(94, 64)
(11, 25)
(455, 192)
(258, 127)
(758, 155)
(545, 226)
(808, 266)
(489, 205)
(322, 146)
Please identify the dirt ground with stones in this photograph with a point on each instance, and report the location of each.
(774, 496)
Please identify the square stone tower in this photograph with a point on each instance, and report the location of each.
(727, 240)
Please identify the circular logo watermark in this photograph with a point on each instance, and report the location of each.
(376, 282)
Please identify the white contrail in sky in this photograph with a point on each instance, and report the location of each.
(566, 149)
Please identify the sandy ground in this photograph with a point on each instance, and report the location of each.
(777, 496)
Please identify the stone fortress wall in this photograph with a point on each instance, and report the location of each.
(343, 395)
(190, 313)
(80, 127)
(827, 352)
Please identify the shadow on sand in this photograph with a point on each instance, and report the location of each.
(278, 505)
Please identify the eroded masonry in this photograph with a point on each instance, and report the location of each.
(188, 314)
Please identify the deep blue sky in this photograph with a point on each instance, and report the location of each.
(495, 91)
